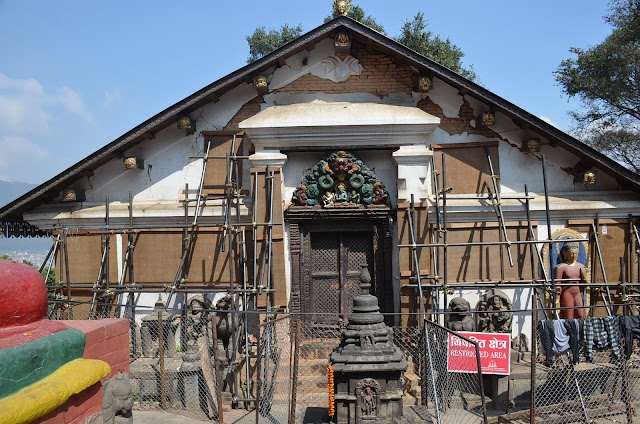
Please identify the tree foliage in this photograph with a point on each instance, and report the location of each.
(263, 42)
(358, 14)
(414, 35)
(606, 80)
(49, 274)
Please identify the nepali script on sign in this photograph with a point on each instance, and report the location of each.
(494, 353)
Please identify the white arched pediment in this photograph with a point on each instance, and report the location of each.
(331, 124)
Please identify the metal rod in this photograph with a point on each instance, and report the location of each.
(163, 394)
(491, 243)
(445, 233)
(470, 285)
(416, 262)
(201, 184)
(219, 408)
(546, 204)
(98, 279)
(270, 177)
(434, 176)
(232, 157)
(596, 233)
(497, 205)
(534, 353)
(66, 267)
(46, 259)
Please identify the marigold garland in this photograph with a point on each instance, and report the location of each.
(332, 407)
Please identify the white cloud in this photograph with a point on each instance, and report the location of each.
(73, 102)
(27, 108)
(19, 156)
(26, 85)
(112, 97)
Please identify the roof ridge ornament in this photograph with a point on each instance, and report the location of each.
(341, 7)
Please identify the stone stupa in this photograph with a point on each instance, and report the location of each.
(367, 366)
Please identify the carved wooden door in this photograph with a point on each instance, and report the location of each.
(336, 260)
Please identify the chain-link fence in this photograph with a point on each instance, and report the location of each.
(586, 371)
(213, 364)
(452, 389)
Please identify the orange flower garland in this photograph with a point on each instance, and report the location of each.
(332, 407)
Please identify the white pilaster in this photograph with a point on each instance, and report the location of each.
(414, 172)
(271, 158)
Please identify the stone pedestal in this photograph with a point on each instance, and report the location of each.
(367, 368)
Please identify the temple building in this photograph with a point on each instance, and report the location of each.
(340, 150)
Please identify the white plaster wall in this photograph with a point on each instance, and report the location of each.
(167, 157)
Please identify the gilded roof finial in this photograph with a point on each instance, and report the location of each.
(341, 7)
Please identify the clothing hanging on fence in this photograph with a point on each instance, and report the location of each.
(600, 333)
(558, 336)
(573, 327)
(628, 324)
(547, 337)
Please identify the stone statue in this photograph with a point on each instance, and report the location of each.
(571, 271)
(198, 324)
(494, 312)
(117, 400)
(460, 318)
(368, 401)
(226, 322)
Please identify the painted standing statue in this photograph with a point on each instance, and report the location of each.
(570, 271)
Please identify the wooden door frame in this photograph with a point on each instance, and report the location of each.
(304, 220)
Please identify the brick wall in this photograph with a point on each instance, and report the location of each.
(107, 340)
(381, 75)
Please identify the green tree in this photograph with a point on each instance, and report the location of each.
(50, 279)
(358, 14)
(415, 36)
(263, 42)
(605, 79)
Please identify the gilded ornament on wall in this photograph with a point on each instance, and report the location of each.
(424, 83)
(342, 40)
(341, 7)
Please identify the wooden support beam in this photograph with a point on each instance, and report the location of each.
(223, 132)
(85, 173)
(114, 155)
(148, 136)
(213, 97)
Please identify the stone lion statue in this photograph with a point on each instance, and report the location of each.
(117, 400)
(460, 318)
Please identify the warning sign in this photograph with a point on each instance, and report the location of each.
(494, 353)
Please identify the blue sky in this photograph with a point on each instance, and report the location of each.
(75, 75)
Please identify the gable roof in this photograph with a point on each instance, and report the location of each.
(367, 36)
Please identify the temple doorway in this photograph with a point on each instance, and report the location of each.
(335, 264)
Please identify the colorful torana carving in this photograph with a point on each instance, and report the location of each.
(340, 180)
